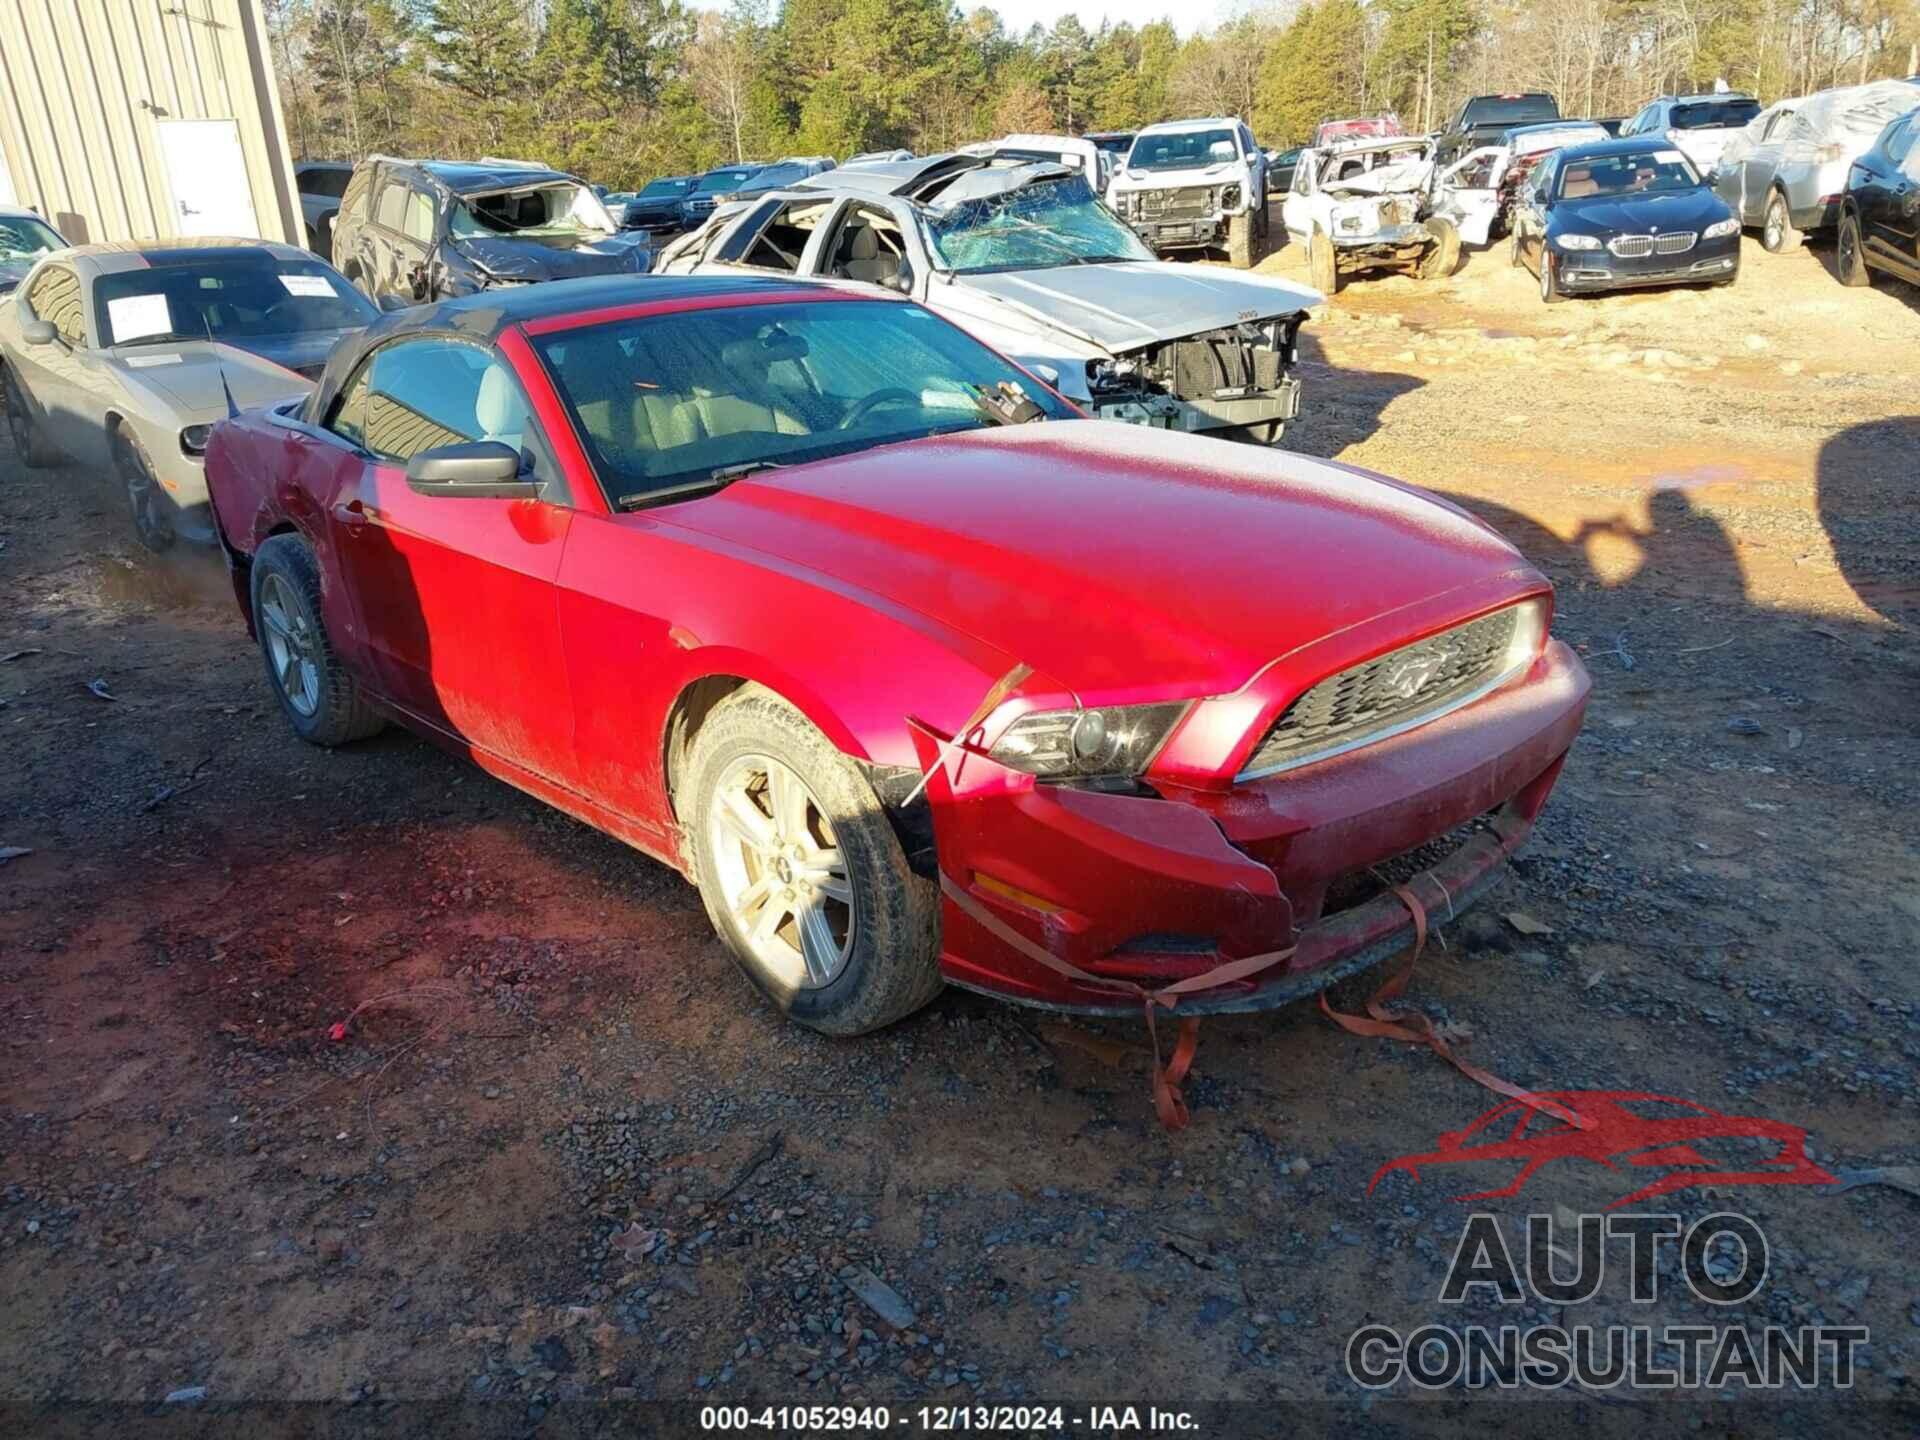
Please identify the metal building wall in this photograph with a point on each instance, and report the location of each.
(84, 83)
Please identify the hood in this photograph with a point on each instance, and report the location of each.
(1124, 307)
(187, 377)
(555, 257)
(1113, 557)
(1639, 214)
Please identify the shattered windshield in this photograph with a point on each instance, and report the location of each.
(567, 209)
(22, 237)
(1039, 225)
(1181, 150)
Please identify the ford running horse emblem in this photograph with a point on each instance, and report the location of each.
(1410, 676)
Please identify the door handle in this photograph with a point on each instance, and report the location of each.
(351, 514)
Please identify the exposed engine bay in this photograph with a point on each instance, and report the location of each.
(1237, 376)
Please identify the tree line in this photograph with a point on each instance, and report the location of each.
(622, 90)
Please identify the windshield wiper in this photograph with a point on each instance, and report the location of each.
(716, 479)
(1005, 404)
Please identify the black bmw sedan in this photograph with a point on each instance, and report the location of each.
(1620, 213)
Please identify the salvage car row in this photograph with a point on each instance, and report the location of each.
(797, 558)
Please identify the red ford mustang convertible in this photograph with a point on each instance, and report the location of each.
(918, 674)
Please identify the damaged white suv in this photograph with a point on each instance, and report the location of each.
(1195, 185)
(1023, 256)
(1368, 205)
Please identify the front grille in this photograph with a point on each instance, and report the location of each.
(1173, 204)
(1402, 687)
(1632, 247)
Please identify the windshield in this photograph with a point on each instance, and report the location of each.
(1712, 115)
(1047, 223)
(665, 401)
(774, 176)
(1181, 150)
(564, 209)
(249, 295)
(25, 237)
(666, 187)
(1645, 172)
(1509, 109)
(721, 180)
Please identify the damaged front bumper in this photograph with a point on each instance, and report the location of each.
(1202, 413)
(1152, 888)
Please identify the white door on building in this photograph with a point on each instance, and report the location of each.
(207, 174)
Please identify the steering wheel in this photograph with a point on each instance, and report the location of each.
(892, 395)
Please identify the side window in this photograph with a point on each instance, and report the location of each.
(1303, 176)
(390, 209)
(55, 297)
(350, 410)
(868, 246)
(734, 247)
(417, 395)
(1899, 142)
(1777, 127)
(783, 240)
(417, 223)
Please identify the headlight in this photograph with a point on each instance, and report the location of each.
(1229, 196)
(1117, 740)
(1576, 242)
(193, 439)
(1529, 633)
(1720, 229)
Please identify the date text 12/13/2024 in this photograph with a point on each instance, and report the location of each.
(945, 1419)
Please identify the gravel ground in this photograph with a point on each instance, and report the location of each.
(562, 1154)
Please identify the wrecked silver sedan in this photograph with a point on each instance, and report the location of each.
(1024, 257)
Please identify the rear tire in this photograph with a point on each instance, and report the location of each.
(1323, 262)
(882, 930)
(152, 509)
(1849, 255)
(1443, 256)
(1240, 241)
(23, 426)
(1777, 234)
(318, 694)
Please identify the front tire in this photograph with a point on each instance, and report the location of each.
(1777, 234)
(318, 694)
(1323, 262)
(23, 428)
(1240, 241)
(1550, 291)
(1849, 255)
(152, 509)
(1443, 255)
(801, 872)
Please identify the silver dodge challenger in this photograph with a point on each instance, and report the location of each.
(125, 355)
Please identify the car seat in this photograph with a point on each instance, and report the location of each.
(867, 260)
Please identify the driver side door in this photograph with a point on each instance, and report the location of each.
(1295, 211)
(456, 594)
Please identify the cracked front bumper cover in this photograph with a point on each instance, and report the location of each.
(1156, 888)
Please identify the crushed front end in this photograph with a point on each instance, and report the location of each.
(1277, 819)
(1181, 216)
(1237, 378)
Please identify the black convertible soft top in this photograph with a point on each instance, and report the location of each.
(483, 317)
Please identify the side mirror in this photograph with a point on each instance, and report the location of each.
(485, 469)
(37, 332)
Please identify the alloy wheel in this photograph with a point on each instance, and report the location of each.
(1774, 228)
(292, 645)
(781, 876)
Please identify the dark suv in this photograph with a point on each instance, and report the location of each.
(1879, 216)
(1484, 119)
(411, 231)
